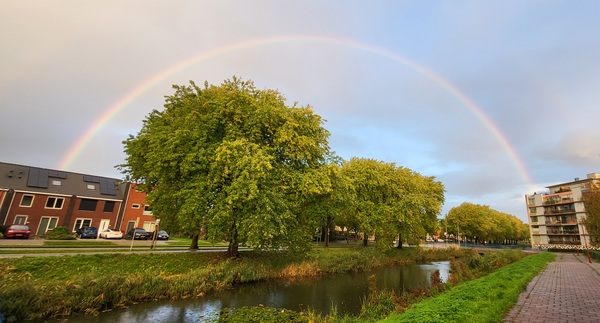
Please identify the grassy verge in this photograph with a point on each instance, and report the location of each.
(486, 299)
(381, 304)
(42, 287)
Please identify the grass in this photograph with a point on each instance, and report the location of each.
(43, 287)
(486, 299)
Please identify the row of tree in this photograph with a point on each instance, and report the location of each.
(481, 223)
(239, 165)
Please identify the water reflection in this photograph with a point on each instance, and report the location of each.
(344, 292)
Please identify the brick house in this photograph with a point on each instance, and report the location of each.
(44, 199)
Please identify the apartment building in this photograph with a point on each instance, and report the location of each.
(44, 199)
(555, 217)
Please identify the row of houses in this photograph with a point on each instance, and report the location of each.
(44, 199)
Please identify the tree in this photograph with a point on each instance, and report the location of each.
(390, 201)
(233, 160)
(481, 223)
(591, 202)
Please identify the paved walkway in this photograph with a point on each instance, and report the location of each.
(567, 291)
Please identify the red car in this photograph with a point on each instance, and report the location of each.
(18, 231)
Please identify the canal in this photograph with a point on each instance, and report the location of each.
(342, 292)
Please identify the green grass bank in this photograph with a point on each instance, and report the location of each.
(43, 287)
(486, 299)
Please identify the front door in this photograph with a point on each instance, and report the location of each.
(46, 223)
(104, 224)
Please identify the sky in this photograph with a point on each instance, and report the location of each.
(496, 99)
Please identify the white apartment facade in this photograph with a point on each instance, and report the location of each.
(555, 217)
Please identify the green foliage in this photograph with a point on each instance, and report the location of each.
(261, 314)
(485, 299)
(59, 233)
(591, 201)
(387, 200)
(480, 222)
(233, 160)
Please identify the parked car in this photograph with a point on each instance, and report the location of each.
(138, 234)
(87, 232)
(162, 235)
(18, 231)
(111, 234)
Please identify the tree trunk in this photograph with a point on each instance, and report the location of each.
(327, 231)
(399, 241)
(233, 248)
(194, 245)
(365, 240)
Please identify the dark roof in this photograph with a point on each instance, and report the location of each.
(50, 181)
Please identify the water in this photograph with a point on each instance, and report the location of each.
(345, 292)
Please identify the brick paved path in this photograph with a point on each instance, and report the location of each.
(567, 291)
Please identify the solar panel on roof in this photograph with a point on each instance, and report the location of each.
(37, 178)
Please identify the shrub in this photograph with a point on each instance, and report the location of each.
(59, 233)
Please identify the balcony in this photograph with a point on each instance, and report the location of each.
(560, 222)
(559, 211)
(563, 232)
(573, 242)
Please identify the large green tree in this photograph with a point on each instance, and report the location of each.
(389, 201)
(233, 160)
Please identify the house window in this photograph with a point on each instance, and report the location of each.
(20, 219)
(533, 210)
(135, 206)
(26, 201)
(88, 205)
(147, 210)
(80, 223)
(534, 219)
(109, 206)
(54, 202)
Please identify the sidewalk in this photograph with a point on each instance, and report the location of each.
(567, 291)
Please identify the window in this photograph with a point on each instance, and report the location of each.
(135, 206)
(56, 183)
(26, 201)
(147, 210)
(109, 206)
(88, 205)
(534, 219)
(20, 219)
(54, 202)
(80, 223)
(533, 210)
(91, 186)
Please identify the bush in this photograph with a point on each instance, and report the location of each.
(3, 229)
(59, 233)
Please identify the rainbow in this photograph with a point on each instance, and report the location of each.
(76, 149)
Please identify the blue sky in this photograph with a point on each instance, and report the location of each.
(374, 70)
